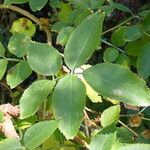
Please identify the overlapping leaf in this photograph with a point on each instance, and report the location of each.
(117, 82)
(34, 96)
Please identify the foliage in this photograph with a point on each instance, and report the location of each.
(71, 103)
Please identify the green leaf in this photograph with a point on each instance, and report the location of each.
(64, 35)
(10, 144)
(96, 3)
(124, 135)
(63, 14)
(81, 46)
(102, 142)
(68, 104)
(143, 63)
(146, 23)
(55, 3)
(82, 15)
(18, 74)
(133, 33)
(58, 26)
(110, 115)
(110, 54)
(123, 60)
(117, 36)
(37, 5)
(82, 4)
(117, 82)
(107, 9)
(23, 25)
(34, 96)
(44, 59)
(9, 2)
(18, 44)
(122, 7)
(3, 67)
(134, 48)
(2, 50)
(38, 133)
(135, 147)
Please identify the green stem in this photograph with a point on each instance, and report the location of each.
(109, 44)
(11, 59)
(117, 26)
(128, 128)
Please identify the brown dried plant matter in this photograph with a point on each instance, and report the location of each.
(7, 126)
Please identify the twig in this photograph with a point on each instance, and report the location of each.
(128, 128)
(30, 16)
(122, 23)
(90, 110)
(86, 124)
(21, 11)
(109, 44)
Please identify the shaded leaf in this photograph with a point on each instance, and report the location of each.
(18, 74)
(38, 133)
(3, 67)
(117, 36)
(143, 63)
(110, 54)
(64, 35)
(133, 33)
(2, 50)
(96, 3)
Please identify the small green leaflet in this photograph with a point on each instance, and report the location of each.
(34, 96)
(117, 36)
(3, 67)
(2, 50)
(64, 35)
(18, 74)
(68, 102)
(83, 40)
(117, 82)
(110, 115)
(37, 5)
(18, 44)
(110, 54)
(10, 144)
(143, 63)
(38, 133)
(133, 33)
